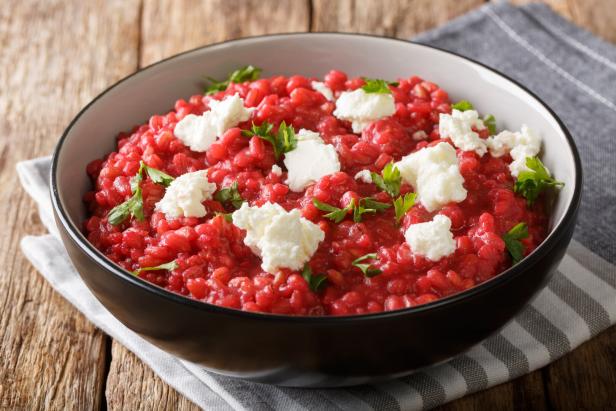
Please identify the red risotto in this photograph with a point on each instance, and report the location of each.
(394, 213)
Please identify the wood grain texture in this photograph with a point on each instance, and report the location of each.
(393, 18)
(172, 26)
(131, 385)
(50, 356)
(56, 55)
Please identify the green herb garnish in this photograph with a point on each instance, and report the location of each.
(512, 241)
(227, 216)
(366, 268)
(490, 122)
(282, 142)
(134, 205)
(334, 213)
(535, 180)
(315, 282)
(377, 86)
(462, 105)
(170, 266)
(368, 205)
(230, 195)
(246, 73)
(403, 204)
(389, 180)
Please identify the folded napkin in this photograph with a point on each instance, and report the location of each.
(575, 73)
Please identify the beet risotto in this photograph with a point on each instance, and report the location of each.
(292, 195)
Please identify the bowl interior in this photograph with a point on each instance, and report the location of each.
(155, 89)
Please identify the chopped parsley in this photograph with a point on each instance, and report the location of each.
(170, 266)
(282, 142)
(535, 180)
(246, 73)
(377, 86)
(490, 122)
(403, 204)
(227, 216)
(368, 205)
(230, 195)
(389, 180)
(134, 205)
(315, 282)
(334, 213)
(367, 269)
(359, 208)
(462, 105)
(512, 241)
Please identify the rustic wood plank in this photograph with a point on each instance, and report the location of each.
(169, 27)
(55, 57)
(393, 18)
(585, 378)
(525, 392)
(597, 16)
(131, 385)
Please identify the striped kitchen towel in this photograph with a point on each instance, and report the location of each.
(573, 72)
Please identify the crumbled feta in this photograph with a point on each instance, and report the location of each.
(364, 176)
(362, 108)
(458, 126)
(309, 161)
(199, 132)
(435, 174)
(432, 239)
(519, 145)
(276, 170)
(185, 195)
(283, 239)
(323, 89)
(420, 135)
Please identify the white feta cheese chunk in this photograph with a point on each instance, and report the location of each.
(323, 89)
(199, 132)
(276, 170)
(283, 239)
(435, 175)
(519, 145)
(420, 135)
(309, 161)
(458, 126)
(432, 239)
(364, 176)
(362, 108)
(185, 195)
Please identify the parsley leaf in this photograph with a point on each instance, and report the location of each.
(227, 216)
(366, 268)
(462, 105)
(512, 241)
(246, 73)
(334, 213)
(389, 180)
(282, 142)
(377, 86)
(363, 206)
(403, 204)
(315, 282)
(170, 266)
(534, 181)
(134, 205)
(230, 195)
(490, 123)
(368, 205)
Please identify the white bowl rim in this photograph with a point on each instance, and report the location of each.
(559, 229)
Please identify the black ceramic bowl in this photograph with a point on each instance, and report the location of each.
(305, 351)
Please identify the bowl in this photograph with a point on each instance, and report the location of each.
(310, 351)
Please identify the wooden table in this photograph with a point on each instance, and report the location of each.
(57, 55)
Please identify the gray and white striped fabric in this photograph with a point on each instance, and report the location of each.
(576, 74)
